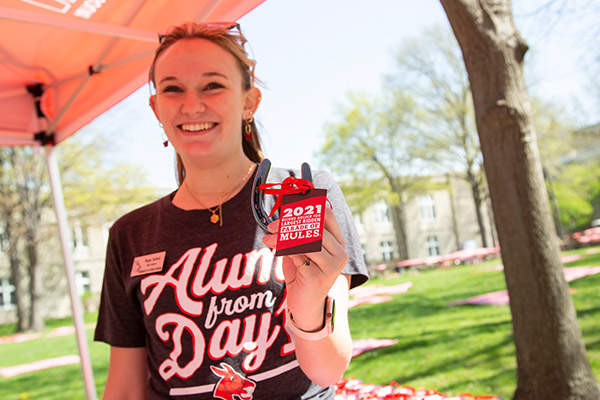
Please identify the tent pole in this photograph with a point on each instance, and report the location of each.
(61, 217)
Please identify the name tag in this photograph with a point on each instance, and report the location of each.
(148, 264)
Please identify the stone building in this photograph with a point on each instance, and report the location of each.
(438, 222)
(88, 249)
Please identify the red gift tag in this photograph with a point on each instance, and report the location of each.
(301, 223)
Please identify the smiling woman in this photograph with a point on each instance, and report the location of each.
(226, 39)
(193, 292)
(199, 94)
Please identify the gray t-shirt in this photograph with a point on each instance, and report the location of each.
(207, 301)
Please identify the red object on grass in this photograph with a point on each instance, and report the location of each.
(354, 389)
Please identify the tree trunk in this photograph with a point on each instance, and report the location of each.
(476, 192)
(399, 223)
(12, 238)
(490, 216)
(551, 359)
(398, 214)
(28, 180)
(453, 212)
(36, 318)
(16, 276)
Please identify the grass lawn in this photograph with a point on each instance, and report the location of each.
(451, 349)
(65, 382)
(457, 349)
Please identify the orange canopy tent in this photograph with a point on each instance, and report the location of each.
(64, 62)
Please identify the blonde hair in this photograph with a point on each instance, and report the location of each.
(231, 40)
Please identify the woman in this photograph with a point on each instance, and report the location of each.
(194, 302)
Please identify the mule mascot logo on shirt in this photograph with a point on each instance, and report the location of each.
(232, 384)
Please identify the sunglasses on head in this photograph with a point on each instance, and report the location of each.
(210, 25)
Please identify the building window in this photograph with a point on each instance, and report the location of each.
(382, 213)
(3, 240)
(7, 294)
(387, 250)
(426, 207)
(83, 283)
(357, 219)
(433, 245)
(80, 235)
(364, 252)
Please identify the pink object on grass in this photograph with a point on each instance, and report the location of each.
(8, 372)
(375, 294)
(500, 298)
(361, 345)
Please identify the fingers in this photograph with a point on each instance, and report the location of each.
(333, 253)
(305, 263)
(290, 271)
(274, 226)
(270, 240)
(332, 226)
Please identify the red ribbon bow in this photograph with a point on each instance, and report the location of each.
(290, 185)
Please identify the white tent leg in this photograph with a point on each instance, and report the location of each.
(63, 228)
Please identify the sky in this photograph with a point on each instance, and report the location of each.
(311, 53)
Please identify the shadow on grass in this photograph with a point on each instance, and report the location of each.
(587, 260)
(423, 312)
(507, 375)
(497, 354)
(447, 337)
(454, 372)
(593, 345)
(588, 312)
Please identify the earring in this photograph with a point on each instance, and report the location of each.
(164, 137)
(248, 128)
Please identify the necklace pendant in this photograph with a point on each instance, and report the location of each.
(214, 218)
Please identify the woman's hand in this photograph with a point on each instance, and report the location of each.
(310, 276)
